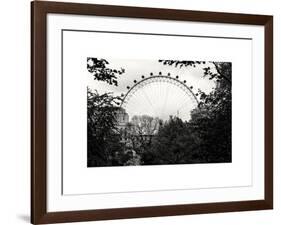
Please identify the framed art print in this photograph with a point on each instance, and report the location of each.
(143, 112)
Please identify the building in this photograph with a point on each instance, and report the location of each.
(122, 117)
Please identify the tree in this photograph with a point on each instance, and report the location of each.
(175, 143)
(98, 67)
(104, 142)
(103, 138)
(211, 120)
(145, 125)
(219, 70)
(138, 134)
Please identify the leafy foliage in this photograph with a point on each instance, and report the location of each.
(101, 72)
(175, 143)
(206, 138)
(104, 141)
(209, 130)
(212, 123)
(180, 63)
(215, 70)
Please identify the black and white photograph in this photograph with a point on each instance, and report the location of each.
(147, 112)
(158, 112)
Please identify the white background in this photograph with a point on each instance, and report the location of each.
(15, 111)
(77, 46)
(77, 179)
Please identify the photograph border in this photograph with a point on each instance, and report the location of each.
(39, 11)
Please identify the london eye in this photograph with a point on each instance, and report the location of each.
(160, 95)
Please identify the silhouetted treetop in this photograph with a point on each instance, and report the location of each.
(219, 71)
(101, 72)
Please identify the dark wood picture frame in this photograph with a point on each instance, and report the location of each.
(39, 11)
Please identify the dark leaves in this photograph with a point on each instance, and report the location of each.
(101, 72)
(103, 137)
(179, 63)
(220, 71)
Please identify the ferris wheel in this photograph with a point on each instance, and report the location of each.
(160, 96)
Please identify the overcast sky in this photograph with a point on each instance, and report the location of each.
(159, 99)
